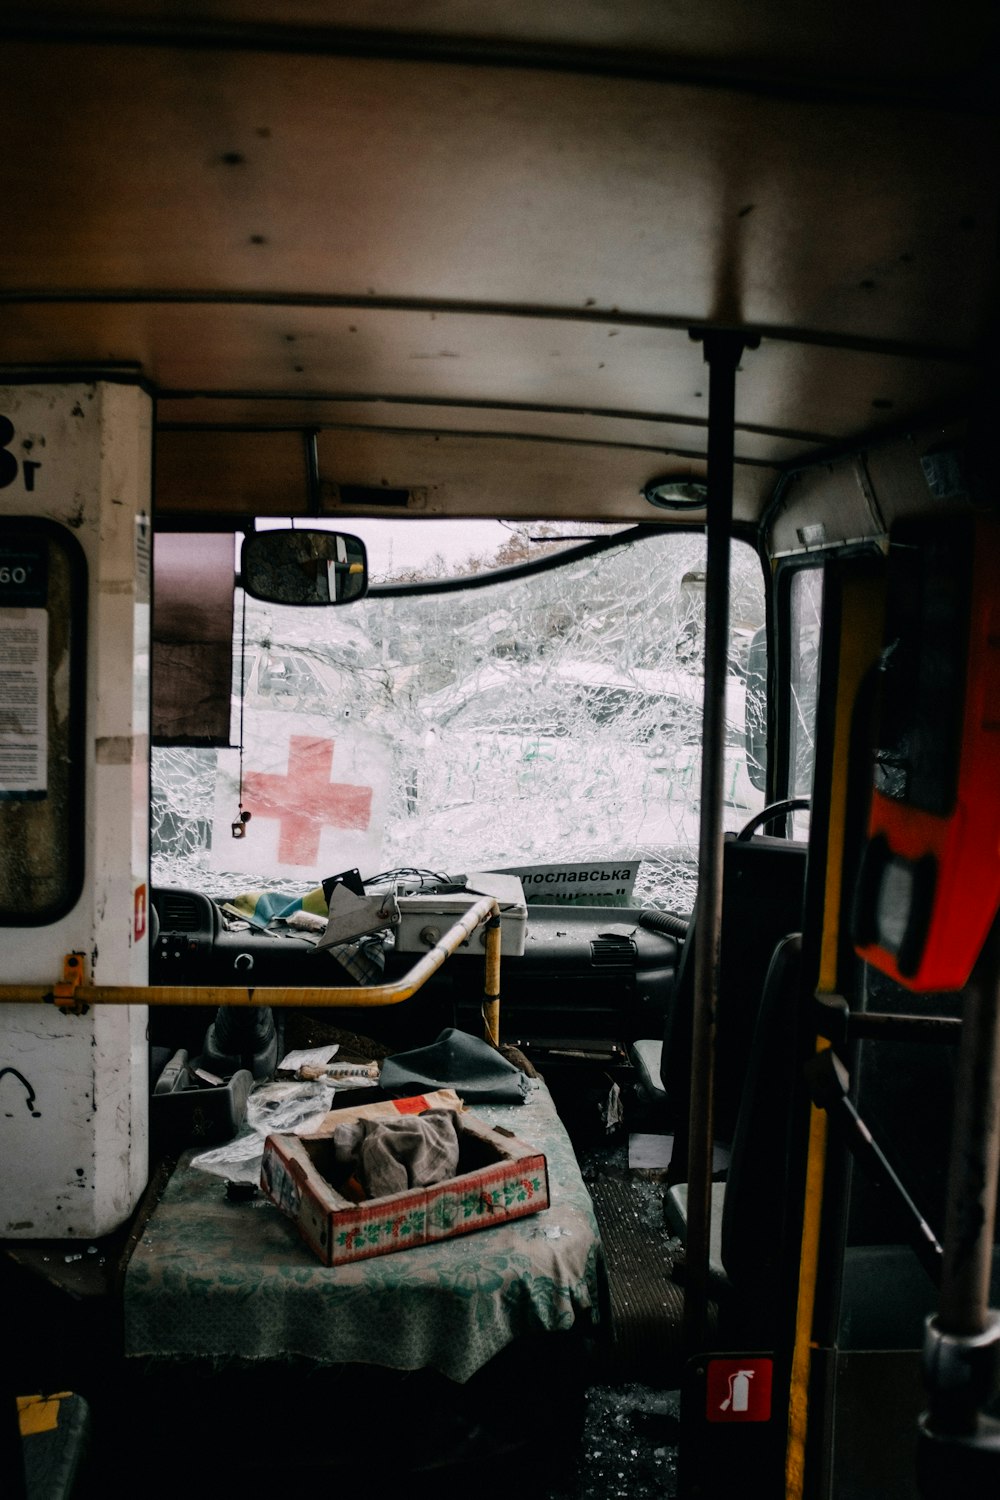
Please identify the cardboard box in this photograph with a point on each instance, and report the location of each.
(500, 1178)
(386, 1109)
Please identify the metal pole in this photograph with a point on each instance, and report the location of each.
(722, 354)
(975, 1153)
(959, 1443)
(491, 983)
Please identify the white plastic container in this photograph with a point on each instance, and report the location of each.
(423, 920)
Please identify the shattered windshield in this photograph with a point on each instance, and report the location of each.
(548, 723)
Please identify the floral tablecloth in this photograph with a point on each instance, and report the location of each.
(227, 1281)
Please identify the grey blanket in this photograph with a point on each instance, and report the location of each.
(389, 1156)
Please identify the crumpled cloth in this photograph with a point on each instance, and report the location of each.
(389, 1156)
(458, 1061)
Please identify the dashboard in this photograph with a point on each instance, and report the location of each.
(587, 974)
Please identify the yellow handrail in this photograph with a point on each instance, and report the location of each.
(72, 995)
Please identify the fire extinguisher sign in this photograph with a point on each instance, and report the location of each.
(738, 1390)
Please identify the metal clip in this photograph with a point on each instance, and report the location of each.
(64, 993)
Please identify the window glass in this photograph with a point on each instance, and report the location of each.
(805, 608)
(548, 720)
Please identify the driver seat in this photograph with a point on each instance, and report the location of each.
(763, 885)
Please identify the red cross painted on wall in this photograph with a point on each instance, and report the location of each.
(305, 800)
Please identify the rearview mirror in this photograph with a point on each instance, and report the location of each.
(304, 567)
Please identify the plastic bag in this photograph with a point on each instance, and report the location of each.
(272, 1109)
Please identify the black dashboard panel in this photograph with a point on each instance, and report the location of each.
(585, 974)
(193, 946)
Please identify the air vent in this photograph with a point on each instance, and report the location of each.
(180, 912)
(612, 953)
(374, 496)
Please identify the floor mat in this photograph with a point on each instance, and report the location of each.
(647, 1307)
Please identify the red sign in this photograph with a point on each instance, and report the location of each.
(416, 1104)
(139, 914)
(305, 800)
(738, 1390)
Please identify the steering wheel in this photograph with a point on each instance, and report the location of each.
(769, 813)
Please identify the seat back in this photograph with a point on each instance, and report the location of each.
(756, 1188)
(748, 1208)
(763, 884)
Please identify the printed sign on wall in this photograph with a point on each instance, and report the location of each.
(24, 660)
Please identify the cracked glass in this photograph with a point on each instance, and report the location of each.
(550, 720)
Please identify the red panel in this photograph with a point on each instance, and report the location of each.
(960, 852)
(738, 1390)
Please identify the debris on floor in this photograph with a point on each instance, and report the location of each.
(629, 1445)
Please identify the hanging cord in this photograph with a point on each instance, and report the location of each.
(243, 818)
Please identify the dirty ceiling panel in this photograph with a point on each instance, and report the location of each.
(850, 45)
(667, 437)
(246, 473)
(246, 366)
(497, 225)
(488, 476)
(290, 169)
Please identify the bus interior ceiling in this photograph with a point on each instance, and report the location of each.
(468, 248)
(420, 260)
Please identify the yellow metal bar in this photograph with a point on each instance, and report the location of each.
(276, 996)
(798, 1405)
(862, 611)
(491, 985)
(863, 615)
